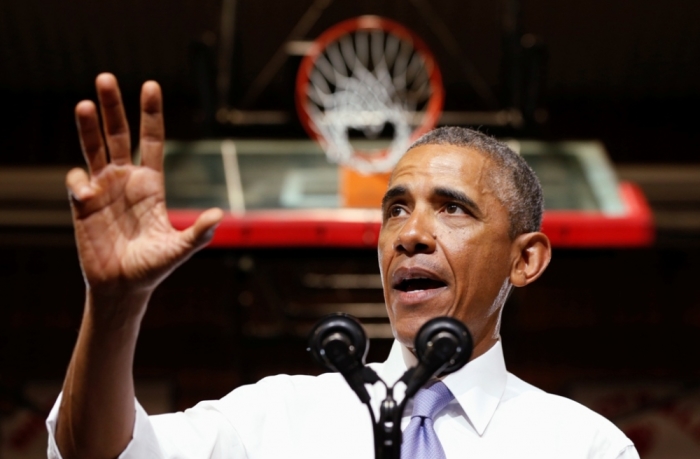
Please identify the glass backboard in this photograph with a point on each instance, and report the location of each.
(292, 180)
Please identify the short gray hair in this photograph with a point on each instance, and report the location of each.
(514, 181)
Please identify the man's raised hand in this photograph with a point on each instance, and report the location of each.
(125, 240)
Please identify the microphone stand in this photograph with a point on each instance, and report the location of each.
(387, 430)
(339, 343)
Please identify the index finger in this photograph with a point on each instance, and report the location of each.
(152, 135)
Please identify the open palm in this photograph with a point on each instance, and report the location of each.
(125, 240)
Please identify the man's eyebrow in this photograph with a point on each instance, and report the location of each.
(392, 193)
(457, 196)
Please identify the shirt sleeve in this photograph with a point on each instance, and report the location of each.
(630, 452)
(52, 450)
(195, 434)
(144, 442)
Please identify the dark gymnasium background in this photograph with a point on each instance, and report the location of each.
(617, 329)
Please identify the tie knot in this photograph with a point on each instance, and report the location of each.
(430, 400)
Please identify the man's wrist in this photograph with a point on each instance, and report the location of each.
(116, 311)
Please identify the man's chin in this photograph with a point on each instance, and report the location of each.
(406, 333)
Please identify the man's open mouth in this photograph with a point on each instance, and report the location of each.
(419, 283)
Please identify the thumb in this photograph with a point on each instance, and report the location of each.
(200, 233)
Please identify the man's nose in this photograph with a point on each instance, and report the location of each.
(417, 235)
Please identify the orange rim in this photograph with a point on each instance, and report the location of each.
(433, 107)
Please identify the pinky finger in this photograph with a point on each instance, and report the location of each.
(78, 184)
(90, 136)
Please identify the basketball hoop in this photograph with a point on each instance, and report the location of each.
(368, 77)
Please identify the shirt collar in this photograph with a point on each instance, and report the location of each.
(477, 387)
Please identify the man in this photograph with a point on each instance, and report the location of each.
(460, 227)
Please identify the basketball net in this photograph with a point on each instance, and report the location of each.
(362, 80)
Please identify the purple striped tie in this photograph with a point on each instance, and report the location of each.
(419, 438)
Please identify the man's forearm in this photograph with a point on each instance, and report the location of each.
(96, 416)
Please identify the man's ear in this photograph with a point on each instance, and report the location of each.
(531, 255)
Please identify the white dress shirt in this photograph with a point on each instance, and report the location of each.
(494, 415)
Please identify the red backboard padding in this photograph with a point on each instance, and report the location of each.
(634, 228)
(347, 228)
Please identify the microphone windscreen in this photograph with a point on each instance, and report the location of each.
(444, 331)
(335, 339)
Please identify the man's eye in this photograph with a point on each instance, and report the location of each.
(396, 211)
(454, 209)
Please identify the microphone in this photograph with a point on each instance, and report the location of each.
(443, 345)
(339, 343)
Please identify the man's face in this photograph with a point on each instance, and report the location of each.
(444, 248)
